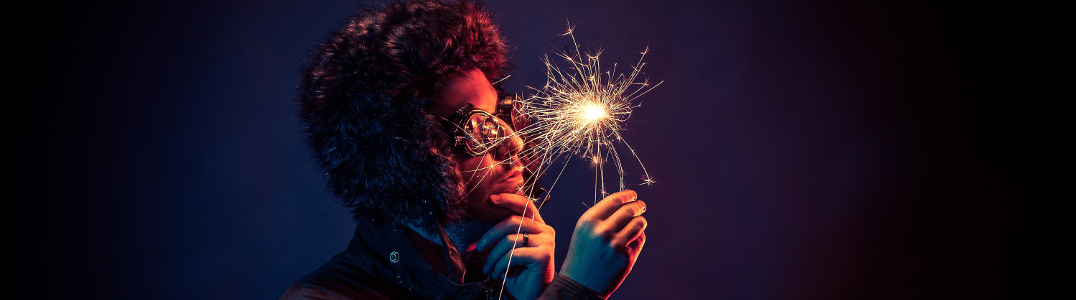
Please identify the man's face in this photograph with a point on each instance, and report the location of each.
(499, 170)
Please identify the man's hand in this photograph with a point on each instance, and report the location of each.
(606, 243)
(535, 256)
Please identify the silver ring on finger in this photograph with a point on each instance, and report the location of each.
(526, 238)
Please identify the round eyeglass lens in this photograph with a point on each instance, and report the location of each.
(485, 131)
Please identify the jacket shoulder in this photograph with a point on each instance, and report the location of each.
(313, 291)
(339, 278)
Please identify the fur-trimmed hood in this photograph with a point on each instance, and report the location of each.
(364, 98)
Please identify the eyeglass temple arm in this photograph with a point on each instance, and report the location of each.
(462, 110)
(505, 105)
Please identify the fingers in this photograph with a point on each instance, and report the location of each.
(609, 205)
(533, 258)
(625, 214)
(633, 232)
(515, 241)
(510, 226)
(517, 204)
(638, 243)
(512, 241)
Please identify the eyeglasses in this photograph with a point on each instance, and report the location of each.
(475, 132)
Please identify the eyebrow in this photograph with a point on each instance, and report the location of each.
(492, 90)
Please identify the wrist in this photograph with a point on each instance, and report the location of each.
(564, 282)
(584, 281)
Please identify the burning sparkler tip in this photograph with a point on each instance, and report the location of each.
(580, 110)
(593, 112)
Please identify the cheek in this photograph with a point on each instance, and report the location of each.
(473, 169)
(467, 166)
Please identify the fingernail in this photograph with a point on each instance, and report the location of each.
(481, 244)
(495, 198)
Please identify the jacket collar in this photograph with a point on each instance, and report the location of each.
(383, 250)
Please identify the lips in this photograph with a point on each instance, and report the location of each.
(515, 176)
(511, 182)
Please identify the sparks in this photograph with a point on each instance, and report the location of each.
(580, 110)
(578, 113)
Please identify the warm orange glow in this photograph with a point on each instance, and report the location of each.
(593, 112)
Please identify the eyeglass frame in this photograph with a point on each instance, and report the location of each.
(503, 118)
(506, 116)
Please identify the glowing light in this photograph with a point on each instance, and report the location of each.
(593, 112)
(580, 110)
(578, 113)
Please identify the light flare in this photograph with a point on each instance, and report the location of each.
(580, 111)
(593, 112)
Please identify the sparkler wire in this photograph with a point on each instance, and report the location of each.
(578, 113)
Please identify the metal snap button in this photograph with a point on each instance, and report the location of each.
(394, 256)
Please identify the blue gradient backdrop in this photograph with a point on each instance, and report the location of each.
(819, 149)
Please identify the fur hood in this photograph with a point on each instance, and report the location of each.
(364, 98)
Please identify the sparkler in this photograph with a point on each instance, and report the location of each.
(579, 112)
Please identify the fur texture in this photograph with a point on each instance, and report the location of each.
(365, 96)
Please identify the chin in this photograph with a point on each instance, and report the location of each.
(480, 208)
(497, 214)
(485, 211)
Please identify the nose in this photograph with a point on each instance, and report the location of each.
(510, 148)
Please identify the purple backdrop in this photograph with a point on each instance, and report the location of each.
(802, 149)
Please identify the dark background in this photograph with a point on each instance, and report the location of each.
(802, 149)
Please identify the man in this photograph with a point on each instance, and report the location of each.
(403, 119)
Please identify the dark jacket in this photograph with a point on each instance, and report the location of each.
(382, 263)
